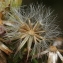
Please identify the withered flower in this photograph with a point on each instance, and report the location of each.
(53, 54)
(34, 26)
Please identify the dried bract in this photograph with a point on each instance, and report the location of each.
(5, 49)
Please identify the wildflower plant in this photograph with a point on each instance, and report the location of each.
(32, 25)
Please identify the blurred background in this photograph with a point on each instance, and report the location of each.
(56, 5)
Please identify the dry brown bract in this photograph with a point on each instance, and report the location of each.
(30, 33)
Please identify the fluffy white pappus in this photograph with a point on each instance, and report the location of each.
(44, 16)
(35, 24)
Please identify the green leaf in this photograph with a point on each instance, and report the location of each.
(34, 61)
(16, 59)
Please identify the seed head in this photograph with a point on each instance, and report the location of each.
(33, 25)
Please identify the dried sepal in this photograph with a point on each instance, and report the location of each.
(5, 49)
(29, 45)
(23, 43)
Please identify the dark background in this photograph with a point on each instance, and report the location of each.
(56, 5)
